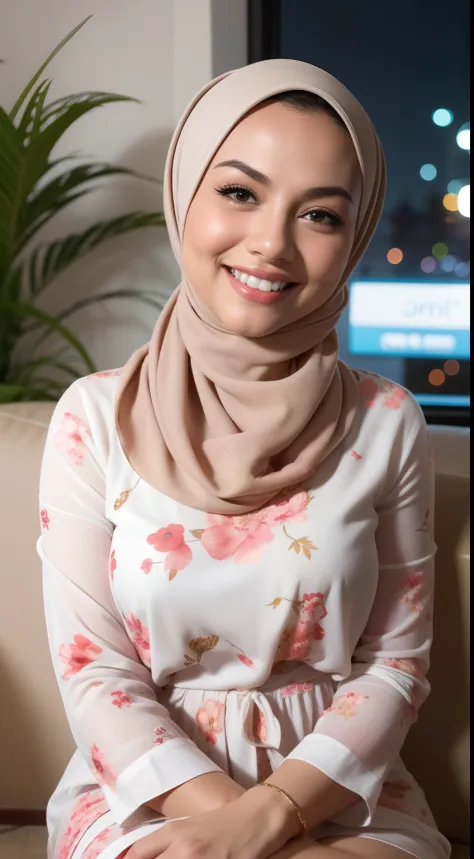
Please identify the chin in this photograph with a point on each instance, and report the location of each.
(248, 323)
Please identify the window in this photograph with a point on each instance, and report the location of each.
(408, 64)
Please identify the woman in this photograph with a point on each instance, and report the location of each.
(237, 544)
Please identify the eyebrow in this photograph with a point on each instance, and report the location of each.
(310, 194)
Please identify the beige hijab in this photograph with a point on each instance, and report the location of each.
(221, 422)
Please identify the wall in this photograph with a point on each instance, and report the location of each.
(159, 51)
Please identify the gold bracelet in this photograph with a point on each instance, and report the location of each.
(288, 798)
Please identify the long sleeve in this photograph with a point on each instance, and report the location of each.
(133, 748)
(359, 736)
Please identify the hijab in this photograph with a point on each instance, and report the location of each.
(221, 422)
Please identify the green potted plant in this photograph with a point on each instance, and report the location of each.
(34, 188)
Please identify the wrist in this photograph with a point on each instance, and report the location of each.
(272, 813)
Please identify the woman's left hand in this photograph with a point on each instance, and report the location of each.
(254, 826)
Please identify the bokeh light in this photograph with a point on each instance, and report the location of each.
(440, 250)
(451, 367)
(442, 117)
(395, 256)
(463, 137)
(449, 263)
(463, 269)
(428, 265)
(428, 172)
(450, 202)
(436, 377)
(455, 186)
(464, 201)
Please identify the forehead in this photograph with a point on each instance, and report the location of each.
(280, 140)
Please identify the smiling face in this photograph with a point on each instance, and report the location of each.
(279, 202)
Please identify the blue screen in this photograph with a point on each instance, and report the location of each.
(425, 324)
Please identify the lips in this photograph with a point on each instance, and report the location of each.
(254, 294)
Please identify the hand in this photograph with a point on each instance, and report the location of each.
(254, 826)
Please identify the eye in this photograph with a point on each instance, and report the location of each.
(237, 193)
(322, 216)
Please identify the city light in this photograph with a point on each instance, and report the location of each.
(449, 263)
(428, 172)
(455, 186)
(440, 250)
(442, 117)
(395, 256)
(436, 377)
(463, 137)
(464, 201)
(463, 269)
(450, 202)
(451, 367)
(428, 265)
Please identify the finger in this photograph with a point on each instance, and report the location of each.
(151, 846)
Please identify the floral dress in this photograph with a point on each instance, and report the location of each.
(186, 643)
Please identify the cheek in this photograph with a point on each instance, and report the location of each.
(210, 232)
(326, 256)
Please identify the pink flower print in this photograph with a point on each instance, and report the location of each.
(297, 640)
(45, 520)
(209, 719)
(369, 389)
(408, 666)
(356, 456)
(162, 734)
(71, 436)
(87, 810)
(241, 538)
(346, 705)
(102, 840)
(104, 772)
(104, 374)
(140, 636)
(313, 607)
(412, 588)
(147, 566)
(171, 540)
(393, 795)
(245, 660)
(291, 508)
(77, 655)
(395, 397)
(296, 689)
(121, 699)
(112, 564)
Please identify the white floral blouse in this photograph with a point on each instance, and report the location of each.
(185, 643)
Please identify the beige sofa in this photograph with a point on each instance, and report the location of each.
(35, 742)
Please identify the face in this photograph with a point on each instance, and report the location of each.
(277, 205)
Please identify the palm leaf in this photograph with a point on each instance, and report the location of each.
(11, 151)
(23, 371)
(61, 191)
(48, 261)
(24, 95)
(41, 144)
(31, 120)
(11, 393)
(26, 310)
(98, 299)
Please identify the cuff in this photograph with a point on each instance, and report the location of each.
(154, 773)
(342, 766)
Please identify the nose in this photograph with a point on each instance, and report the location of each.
(271, 237)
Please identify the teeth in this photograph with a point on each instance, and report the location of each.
(256, 283)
